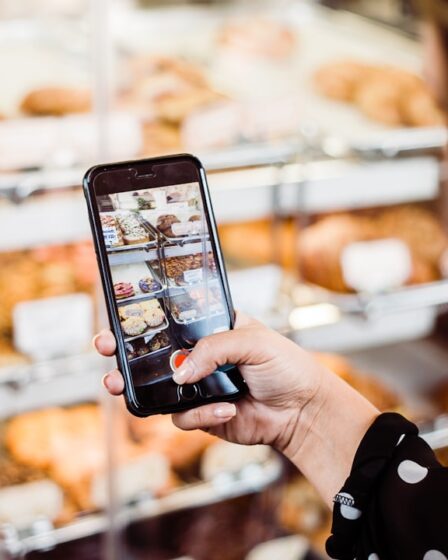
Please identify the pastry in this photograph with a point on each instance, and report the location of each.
(132, 310)
(421, 109)
(340, 80)
(321, 246)
(260, 37)
(173, 107)
(417, 227)
(159, 341)
(111, 231)
(194, 218)
(133, 326)
(379, 100)
(153, 313)
(123, 290)
(160, 138)
(148, 285)
(165, 222)
(57, 101)
(133, 231)
(12, 472)
(371, 388)
(385, 94)
(176, 266)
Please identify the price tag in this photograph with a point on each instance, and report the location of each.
(54, 326)
(193, 276)
(110, 235)
(376, 266)
(183, 228)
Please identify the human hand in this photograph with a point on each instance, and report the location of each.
(282, 379)
(294, 403)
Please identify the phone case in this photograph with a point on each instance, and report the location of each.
(217, 387)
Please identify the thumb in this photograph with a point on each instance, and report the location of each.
(230, 347)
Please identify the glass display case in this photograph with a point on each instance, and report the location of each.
(299, 167)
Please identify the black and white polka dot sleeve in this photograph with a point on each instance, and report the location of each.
(394, 505)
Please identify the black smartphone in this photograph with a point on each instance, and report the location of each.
(163, 277)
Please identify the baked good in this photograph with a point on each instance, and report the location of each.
(164, 223)
(386, 94)
(132, 310)
(159, 341)
(57, 101)
(417, 227)
(379, 100)
(176, 266)
(195, 218)
(123, 290)
(301, 508)
(321, 244)
(12, 472)
(421, 109)
(153, 314)
(160, 138)
(158, 434)
(134, 326)
(340, 79)
(259, 37)
(148, 285)
(111, 230)
(374, 390)
(133, 231)
(175, 107)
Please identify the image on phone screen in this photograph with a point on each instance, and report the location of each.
(168, 289)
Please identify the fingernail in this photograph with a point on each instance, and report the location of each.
(225, 410)
(106, 381)
(184, 373)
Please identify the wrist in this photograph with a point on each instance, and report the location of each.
(328, 430)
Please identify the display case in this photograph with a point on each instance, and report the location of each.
(288, 151)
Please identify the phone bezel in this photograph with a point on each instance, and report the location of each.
(90, 190)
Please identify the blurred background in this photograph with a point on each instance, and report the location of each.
(322, 127)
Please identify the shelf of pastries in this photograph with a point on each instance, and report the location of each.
(185, 101)
(42, 287)
(376, 261)
(57, 457)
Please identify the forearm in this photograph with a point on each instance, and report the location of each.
(330, 429)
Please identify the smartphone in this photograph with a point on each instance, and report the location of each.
(163, 277)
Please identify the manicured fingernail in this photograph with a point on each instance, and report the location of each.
(184, 373)
(225, 410)
(106, 382)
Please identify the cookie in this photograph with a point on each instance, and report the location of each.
(133, 326)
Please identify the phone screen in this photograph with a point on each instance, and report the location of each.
(167, 281)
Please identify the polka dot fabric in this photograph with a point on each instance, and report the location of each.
(394, 505)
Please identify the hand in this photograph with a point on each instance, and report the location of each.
(294, 403)
(282, 381)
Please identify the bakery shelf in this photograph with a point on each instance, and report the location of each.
(42, 536)
(432, 294)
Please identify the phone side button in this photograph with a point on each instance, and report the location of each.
(188, 392)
